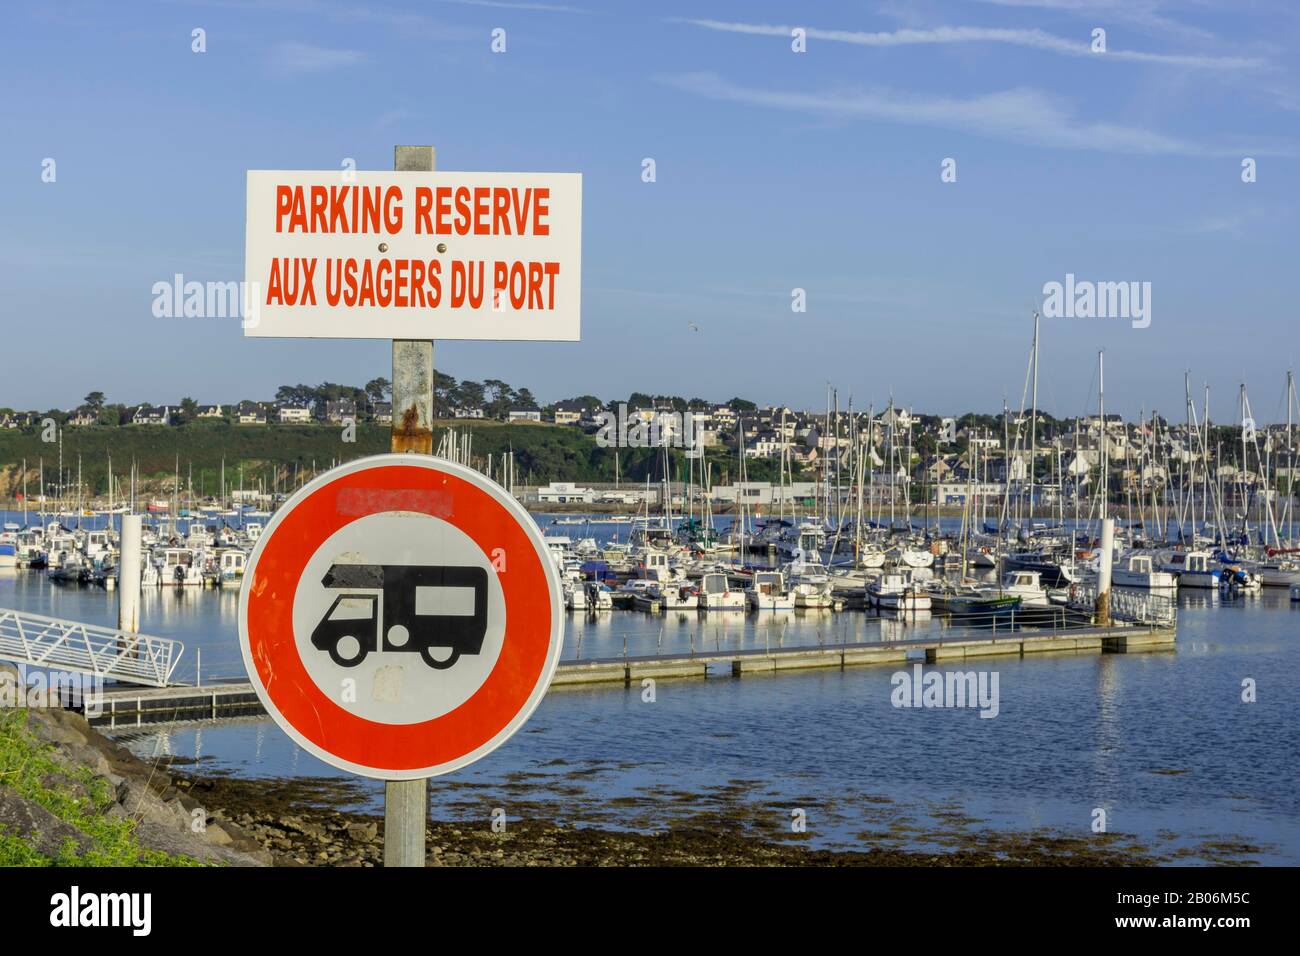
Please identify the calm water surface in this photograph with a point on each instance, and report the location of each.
(1162, 741)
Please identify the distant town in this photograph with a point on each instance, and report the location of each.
(951, 457)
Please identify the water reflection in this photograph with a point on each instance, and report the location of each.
(1160, 739)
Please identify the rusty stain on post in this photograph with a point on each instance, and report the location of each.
(412, 429)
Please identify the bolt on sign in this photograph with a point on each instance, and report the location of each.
(400, 616)
(414, 255)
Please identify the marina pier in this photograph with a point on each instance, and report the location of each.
(141, 705)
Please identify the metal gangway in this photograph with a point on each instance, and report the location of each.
(104, 652)
(1134, 607)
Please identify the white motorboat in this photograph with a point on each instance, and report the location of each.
(181, 567)
(1194, 569)
(811, 587)
(896, 591)
(29, 546)
(575, 595)
(717, 594)
(231, 563)
(1138, 571)
(768, 592)
(1028, 586)
(667, 596)
(1278, 574)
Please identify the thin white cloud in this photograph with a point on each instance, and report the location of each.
(1019, 115)
(294, 57)
(1222, 225)
(1033, 39)
(1255, 221)
(1144, 14)
(511, 5)
(394, 117)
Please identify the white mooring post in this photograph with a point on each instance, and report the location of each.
(406, 802)
(128, 593)
(1103, 571)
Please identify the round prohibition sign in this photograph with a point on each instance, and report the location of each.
(401, 617)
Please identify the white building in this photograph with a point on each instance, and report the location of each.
(564, 493)
(955, 492)
(295, 413)
(764, 492)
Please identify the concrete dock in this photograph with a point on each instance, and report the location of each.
(179, 703)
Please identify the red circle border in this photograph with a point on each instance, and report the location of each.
(272, 647)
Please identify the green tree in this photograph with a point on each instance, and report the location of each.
(444, 391)
(501, 396)
(295, 394)
(590, 402)
(470, 394)
(95, 400)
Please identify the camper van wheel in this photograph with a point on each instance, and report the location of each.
(437, 664)
(349, 643)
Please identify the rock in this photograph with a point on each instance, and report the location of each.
(143, 804)
(65, 784)
(215, 834)
(49, 727)
(183, 814)
(363, 832)
(27, 820)
(176, 843)
(305, 827)
(76, 756)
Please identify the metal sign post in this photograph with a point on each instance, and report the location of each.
(406, 802)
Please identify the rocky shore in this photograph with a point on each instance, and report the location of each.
(294, 819)
(69, 795)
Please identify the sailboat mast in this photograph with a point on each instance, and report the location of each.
(1033, 427)
(1105, 443)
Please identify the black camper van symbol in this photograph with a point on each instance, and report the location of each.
(424, 609)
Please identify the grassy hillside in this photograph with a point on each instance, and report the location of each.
(543, 453)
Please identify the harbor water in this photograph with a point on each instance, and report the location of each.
(1163, 743)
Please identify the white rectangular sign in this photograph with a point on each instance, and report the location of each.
(413, 255)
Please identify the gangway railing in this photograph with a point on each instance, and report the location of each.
(105, 652)
(1135, 607)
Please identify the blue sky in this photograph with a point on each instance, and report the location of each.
(775, 170)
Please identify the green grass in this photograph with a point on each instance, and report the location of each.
(23, 763)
